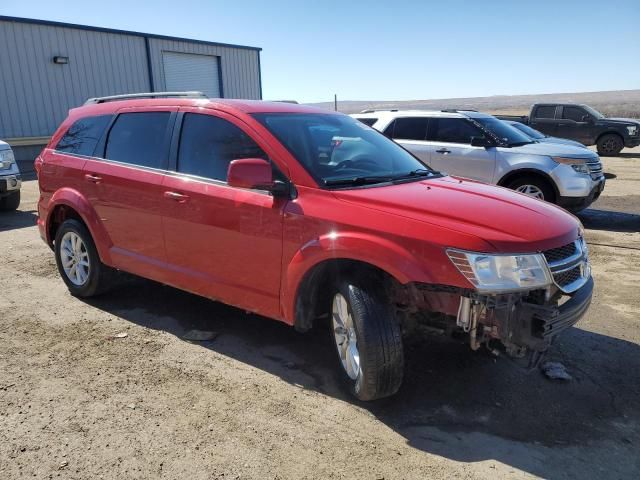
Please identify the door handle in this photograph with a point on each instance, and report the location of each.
(178, 197)
(90, 177)
(443, 150)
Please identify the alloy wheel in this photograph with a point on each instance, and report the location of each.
(531, 190)
(345, 336)
(75, 258)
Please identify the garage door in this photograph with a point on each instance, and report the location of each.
(186, 71)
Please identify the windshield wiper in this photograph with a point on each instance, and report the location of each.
(357, 181)
(519, 144)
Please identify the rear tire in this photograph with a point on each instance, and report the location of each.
(366, 322)
(533, 186)
(610, 145)
(78, 261)
(10, 202)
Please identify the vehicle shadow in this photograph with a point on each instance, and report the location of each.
(632, 155)
(596, 219)
(17, 219)
(463, 405)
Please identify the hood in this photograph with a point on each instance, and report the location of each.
(552, 149)
(561, 141)
(622, 121)
(4, 145)
(511, 222)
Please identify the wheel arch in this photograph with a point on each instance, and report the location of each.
(324, 258)
(521, 172)
(69, 203)
(610, 132)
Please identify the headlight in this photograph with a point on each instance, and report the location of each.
(6, 159)
(578, 164)
(502, 273)
(632, 129)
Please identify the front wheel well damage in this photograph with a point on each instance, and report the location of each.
(314, 292)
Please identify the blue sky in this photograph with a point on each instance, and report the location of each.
(395, 50)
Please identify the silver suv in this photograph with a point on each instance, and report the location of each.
(478, 146)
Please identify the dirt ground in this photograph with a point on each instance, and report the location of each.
(259, 401)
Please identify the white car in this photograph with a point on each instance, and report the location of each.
(10, 180)
(478, 146)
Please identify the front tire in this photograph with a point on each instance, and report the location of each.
(10, 202)
(610, 145)
(533, 186)
(78, 261)
(368, 340)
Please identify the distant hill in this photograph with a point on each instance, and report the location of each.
(617, 103)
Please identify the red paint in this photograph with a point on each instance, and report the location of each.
(252, 250)
(249, 173)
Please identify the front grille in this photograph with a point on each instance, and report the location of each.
(563, 279)
(556, 254)
(569, 265)
(595, 168)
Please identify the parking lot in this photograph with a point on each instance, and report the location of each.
(254, 399)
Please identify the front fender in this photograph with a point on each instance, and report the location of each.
(379, 252)
(73, 199)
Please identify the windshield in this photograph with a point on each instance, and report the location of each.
(338, 150)
(527, 130)
(593, 112)
(507, 134)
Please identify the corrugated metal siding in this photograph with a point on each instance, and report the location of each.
(36, 94)
(240, 68)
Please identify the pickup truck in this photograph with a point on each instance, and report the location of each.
(583, 124)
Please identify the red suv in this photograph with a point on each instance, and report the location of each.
(307, 216)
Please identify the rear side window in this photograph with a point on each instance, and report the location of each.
(368, 121)
(139, 139)
(547, 111)
(83, 136)
(454, 130)
(411, 128)
(573, 113)
(208, 144)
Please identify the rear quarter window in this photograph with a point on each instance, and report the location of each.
(83, 135)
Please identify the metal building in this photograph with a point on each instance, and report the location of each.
(46, 68)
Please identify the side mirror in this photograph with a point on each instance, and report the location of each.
(254, 173)
(482, 142)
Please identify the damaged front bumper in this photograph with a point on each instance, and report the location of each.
(522, 323)
(518, 322)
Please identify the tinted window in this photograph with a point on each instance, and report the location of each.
(504, 132)
(411, 128)
(368, 121)
(139, 139)
(546, 112)
(388, 132)
(573, 113)
(83, 135)
(208, 144)
(454, 130)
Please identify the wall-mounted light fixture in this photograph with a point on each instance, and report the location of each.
(60, 60)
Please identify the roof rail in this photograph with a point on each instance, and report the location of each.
(132, 96)
(456, 110)
(380, 110)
